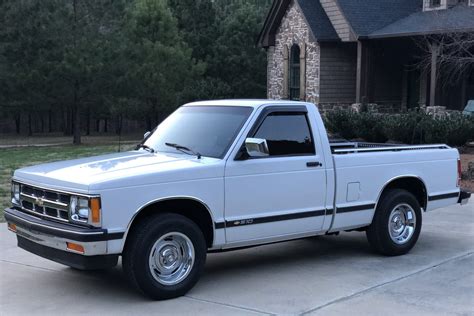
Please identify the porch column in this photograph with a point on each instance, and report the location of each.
(303, 72)
(434, 59)
(286, 68)
(362, 72)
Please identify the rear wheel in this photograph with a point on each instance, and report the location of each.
(397, 223)
(165, 256)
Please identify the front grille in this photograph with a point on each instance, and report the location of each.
(44, 203)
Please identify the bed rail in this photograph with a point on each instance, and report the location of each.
(370, 147)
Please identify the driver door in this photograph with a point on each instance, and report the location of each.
(282, 194)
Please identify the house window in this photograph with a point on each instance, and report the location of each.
(294, 82)
(435, 3)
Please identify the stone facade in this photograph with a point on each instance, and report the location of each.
(293, 30)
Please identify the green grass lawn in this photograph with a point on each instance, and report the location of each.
(14, 158)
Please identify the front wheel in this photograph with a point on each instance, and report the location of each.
(397, 223)
(165, 256)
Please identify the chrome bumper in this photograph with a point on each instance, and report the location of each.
(92, 248)
(49, 240)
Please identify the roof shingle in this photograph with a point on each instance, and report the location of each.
(367, 16)
(317, 19)
(458, 18)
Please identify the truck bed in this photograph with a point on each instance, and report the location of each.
(363, 169)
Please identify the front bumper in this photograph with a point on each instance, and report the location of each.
(464, 197)
(49, 240)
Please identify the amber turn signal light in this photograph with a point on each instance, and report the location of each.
(75, 247)
(12, 227)
(95, 210)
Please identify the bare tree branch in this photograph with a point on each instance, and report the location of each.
(455, 55)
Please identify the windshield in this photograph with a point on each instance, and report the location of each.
(207, 130)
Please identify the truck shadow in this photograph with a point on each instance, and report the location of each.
(114, 283)
(311, 250)
(322, 254)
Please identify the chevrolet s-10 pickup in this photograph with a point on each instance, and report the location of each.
(219, 175)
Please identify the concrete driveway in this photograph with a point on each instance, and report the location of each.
(328, 275)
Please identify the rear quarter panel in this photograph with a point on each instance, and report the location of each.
(371, 172)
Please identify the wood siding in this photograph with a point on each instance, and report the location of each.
(338, 20)
(338, 72)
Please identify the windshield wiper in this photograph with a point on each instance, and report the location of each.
(184, 149)
(145, 147)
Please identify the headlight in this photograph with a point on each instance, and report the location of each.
(85, 210)
(15, 193)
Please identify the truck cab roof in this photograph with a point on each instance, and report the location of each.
(255, 103)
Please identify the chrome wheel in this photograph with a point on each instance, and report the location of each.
(171, 258)
(402, 223)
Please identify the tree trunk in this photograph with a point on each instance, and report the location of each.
(30, 129)
(148, 124)
(50, 119)
(68, 122)
(105, 125)
(88, 121)
(18, 123)
(76, 140)
(77, 117)
(42, 122)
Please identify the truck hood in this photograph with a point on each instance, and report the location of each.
(117, 170)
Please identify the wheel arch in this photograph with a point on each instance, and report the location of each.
(191, 207)
(411, 183)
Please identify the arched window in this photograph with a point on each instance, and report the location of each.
(294, 82)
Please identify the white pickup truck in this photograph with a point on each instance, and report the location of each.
(218, 175)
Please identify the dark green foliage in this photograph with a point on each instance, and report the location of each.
(404, 128)
(139, 59)
(223, 34)
(455, 129)
(342, 123)
(370, 128)
(415, 127)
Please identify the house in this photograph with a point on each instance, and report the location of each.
(340, 52)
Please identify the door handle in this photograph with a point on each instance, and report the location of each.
(313, 164)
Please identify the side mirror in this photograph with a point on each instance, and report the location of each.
(145, 136)
(256, 147)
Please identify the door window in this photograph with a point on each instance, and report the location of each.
(287, 134)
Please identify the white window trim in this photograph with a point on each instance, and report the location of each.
(428, 7)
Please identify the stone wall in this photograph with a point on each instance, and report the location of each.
(358, 107)
(327, 107)
(292, 30)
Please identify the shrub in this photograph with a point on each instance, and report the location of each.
(342, 123)
(414, 127)
(404, 127)
(370, 127)
(460, 129)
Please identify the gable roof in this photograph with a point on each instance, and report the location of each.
(372, 19)
(456, 19)
(313, 12)
(318, 21)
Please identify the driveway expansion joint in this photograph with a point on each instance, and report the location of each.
(249, 309)
(370, 289)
